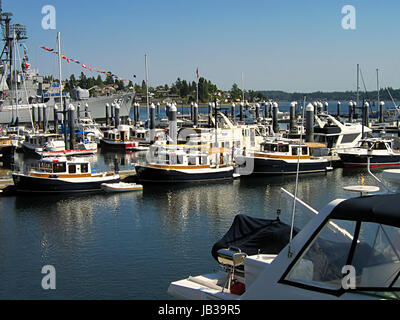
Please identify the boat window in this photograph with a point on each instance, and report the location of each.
(179, 159)
(283, 148)
(373, 250)
(304, 151)
(321, 263)
(348, 138)
(45, 166)
(192, 161)
(377, 257)
(84, 168)
(380, 146)
(268, 147)
(204, 159)
(71, 168)
(365, 144)
(59, 167)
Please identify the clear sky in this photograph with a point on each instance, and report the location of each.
(290, 45)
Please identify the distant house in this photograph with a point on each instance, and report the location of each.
(162, 93)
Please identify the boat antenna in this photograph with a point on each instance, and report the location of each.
(290, 252)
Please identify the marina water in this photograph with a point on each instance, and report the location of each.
(132, 245)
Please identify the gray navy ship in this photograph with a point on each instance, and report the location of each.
(23, 92)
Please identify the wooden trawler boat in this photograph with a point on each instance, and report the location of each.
(185, 163)
(380, 152)
(260, 261)
(120, 139)
(62, 175)
(282, 156)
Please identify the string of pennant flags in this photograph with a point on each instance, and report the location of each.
(85, 66)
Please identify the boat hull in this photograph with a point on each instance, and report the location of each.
(27, 183)
(119, 146)
(6, 153)
(353, 160)
(149, 174)
(279, 166)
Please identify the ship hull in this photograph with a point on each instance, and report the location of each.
(149, 174)
(279, 167)
(355, 160)
(25, 183)
(96, 107)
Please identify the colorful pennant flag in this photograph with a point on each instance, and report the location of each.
(84, 66)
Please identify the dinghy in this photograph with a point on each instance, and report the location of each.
(121, 187)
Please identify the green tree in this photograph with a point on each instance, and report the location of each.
(99, 81)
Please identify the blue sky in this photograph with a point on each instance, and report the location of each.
(279, 45)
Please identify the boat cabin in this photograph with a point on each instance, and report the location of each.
(284, 148)
(122, 133)
(372, 144)
(193, 154)
(41, 139)
(64, 166)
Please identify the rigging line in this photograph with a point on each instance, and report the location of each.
(366, 92)
(299, 150)
(394, 103)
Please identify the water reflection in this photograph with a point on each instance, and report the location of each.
(132, 245)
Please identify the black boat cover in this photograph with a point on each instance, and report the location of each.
(376, 208)
(255, 235)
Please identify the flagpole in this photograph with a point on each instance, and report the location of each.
(242, 87)
(147, 85)
(62, 107)
(197, 87)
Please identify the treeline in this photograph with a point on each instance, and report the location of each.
(90, 82)
(335, 95)
(186, 91)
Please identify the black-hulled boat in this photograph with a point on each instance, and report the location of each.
(282, 156)
(380, 152)
(62, 175)
(171, 163)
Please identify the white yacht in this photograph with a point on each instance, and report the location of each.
(349, 250)
(337, 135)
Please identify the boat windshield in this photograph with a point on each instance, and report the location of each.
(372, 249)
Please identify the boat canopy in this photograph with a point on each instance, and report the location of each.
(382, 209)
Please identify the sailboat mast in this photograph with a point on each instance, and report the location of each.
(377, 85)
(62, 106)
(147, 85)
(358, 84)
(242, 87)
(15, 77)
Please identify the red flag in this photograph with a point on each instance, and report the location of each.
(64, 57)
(86, 67)
(48, 49)
(197, 73)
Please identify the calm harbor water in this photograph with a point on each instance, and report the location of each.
(132, 245)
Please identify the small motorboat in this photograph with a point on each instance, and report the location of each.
(121, 187)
